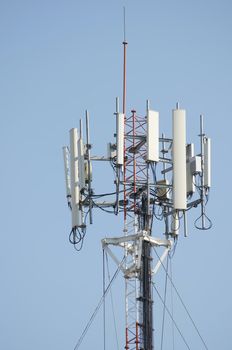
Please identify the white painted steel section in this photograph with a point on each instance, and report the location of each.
(207, 162)
(160, 261)
(120, 138)
(119, 241)
(81, 163)
(179, 158)
(152, 136)
(114, 258)
(67, 171)
(75, 189)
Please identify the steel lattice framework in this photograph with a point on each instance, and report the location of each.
(136, 219)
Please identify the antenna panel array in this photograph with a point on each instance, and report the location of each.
(152, 136)
(207, 162)
(75, 187)
(186, 171)
(120, 138)
(179, 158)
(81, 163)
(67, 171)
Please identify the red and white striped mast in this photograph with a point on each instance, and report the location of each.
(134, 167)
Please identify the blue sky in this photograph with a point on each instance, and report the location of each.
(58, 58)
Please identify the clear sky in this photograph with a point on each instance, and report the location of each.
(58, 58)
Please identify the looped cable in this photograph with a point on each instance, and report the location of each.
(204, 219)
(76, 237)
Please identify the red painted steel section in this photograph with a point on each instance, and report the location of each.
(134, 157)
(124, 112)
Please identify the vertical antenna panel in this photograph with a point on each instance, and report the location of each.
(152, 136)
(175, 224)
(189, 151)
(89, 166)
(179, 158)
(189, 176)
(207, 162)
(190, 187)
(120, 138)
(67, 171)
(81, 164)
(75, 190)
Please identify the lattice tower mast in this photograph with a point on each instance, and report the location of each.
(137, 218)
(134, 158)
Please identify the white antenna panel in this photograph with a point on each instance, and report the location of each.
(175, 224)
(179, 158)
(67, 171)
(81, 163)
(75, 189)
(87, 168)
(189, 176)
(76, 216)
(189, 151)
(120, 138)
(152, 136)
(195, 164)
(189, 179)
(207, 162)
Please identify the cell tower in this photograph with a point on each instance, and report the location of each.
(151, 172)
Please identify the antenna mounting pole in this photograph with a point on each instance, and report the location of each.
(124, 61)
(89, 167)
(124, 104)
